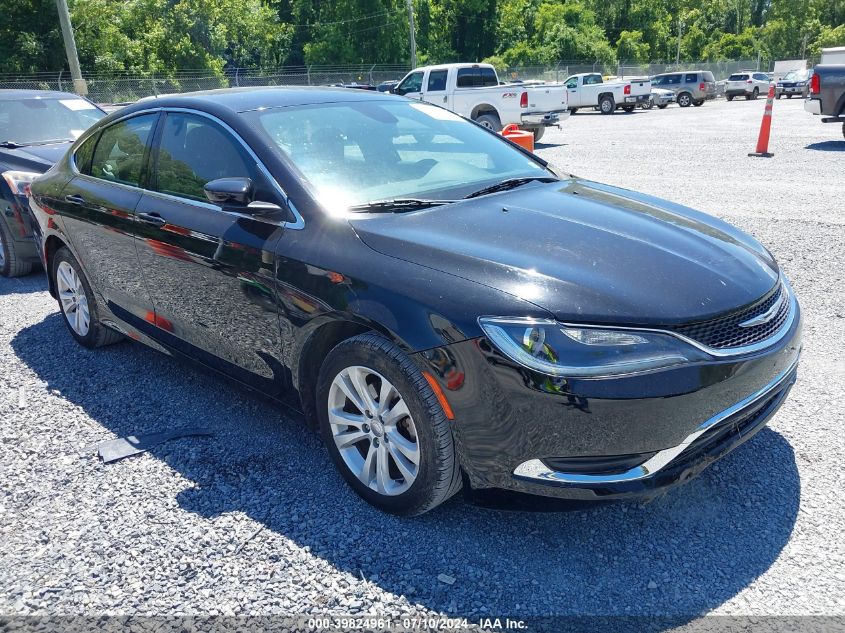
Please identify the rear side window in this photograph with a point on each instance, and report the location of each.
(437, 80)
(761, 77)
(691, 78)
(119, 154)
(738, 77)
(83, 155)
(476, 77)
(193, 151)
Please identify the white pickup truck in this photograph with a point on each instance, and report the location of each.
(474, 92)
(589, 90)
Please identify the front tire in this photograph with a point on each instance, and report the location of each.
(490, 121)
(77, 303)
(684, 100)
(10, 264)
(384, 427)
(607, 105)
(648, 104)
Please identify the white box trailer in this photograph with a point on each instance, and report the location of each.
(833, 55)
(786, 65)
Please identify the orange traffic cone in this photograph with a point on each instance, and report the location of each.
(765, 127)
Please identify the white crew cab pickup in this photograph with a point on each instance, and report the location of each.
(473, 91)
(589, 90)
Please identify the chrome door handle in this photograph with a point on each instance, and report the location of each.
(153, 219)
(74, 199)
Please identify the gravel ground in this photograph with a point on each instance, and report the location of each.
(255, 520)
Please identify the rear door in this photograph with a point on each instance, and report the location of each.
(435, 90)
(210, 271)
(98, 209)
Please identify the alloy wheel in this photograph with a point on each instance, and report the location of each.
(373, 430)
(73, 299)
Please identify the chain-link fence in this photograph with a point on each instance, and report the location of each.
(121, 88)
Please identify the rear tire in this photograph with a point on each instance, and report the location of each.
(490, 121)
(607, 105)
(10, 264)
(789, 96)
(729, 97)
(410, 424)
(685, 99)
(538, 133)
(573, 110)
(78, 304)
(663, 106)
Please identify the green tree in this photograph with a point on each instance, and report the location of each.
(631, 47)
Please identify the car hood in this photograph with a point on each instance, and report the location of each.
(38, 158)
(584, 252)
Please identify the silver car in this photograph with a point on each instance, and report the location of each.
(691, 87)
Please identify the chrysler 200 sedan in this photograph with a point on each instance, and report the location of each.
(448, 310)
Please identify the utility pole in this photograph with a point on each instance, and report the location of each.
(411, 34)
(79, 85)
(680, 32)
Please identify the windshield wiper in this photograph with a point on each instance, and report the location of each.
(510, 183)
(399, 204)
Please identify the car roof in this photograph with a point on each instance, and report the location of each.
(14, 95)
(238, 100)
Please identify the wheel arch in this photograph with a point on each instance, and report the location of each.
(484, 108)
(51, 245)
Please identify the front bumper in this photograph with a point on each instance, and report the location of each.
(18, 219)
(813, 106)
(514, 428)
(790, 90)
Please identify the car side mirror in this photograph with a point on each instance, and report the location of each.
(231, 191)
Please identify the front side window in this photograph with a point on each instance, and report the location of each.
(411, 83)
(119, 153)
(572, 82)
(357, 152)
(437, 80)
(672, 80)
(659, 80)
(193, 151)
(38, 120)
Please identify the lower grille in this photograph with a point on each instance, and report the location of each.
(727, 331)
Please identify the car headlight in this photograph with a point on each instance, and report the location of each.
(19, 181)
(556, 349)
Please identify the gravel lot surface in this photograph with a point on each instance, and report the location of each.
(255, 520)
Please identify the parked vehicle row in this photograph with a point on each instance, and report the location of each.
(589, 90)
(689, 87)
(447, 310)
(36, 127)
(474, 92)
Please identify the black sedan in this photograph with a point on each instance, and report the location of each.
(445, 308)
(35, 129)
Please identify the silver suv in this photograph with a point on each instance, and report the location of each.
(691, 87)
(748, 83)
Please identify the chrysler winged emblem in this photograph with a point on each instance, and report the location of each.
(766, 316)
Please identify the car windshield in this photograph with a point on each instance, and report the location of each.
(39, 120)
(357, 152)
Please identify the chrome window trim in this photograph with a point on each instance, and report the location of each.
(536, 470)
(297, 224)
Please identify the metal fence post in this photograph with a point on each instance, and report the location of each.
(308, 72)
(237, 78)
(372, 83)
(61, 88)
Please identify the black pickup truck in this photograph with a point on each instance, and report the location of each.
(827, 94)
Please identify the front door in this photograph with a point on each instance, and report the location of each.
(210, 271)
(411, 86)
(435, 87)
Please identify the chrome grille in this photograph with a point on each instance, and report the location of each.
(725, 332)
